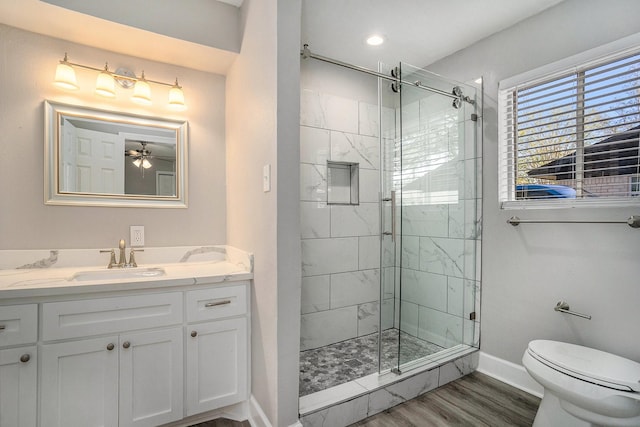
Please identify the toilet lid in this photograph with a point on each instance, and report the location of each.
(588, 364)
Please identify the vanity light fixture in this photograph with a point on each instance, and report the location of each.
(105, 83)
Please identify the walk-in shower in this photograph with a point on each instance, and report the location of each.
(390, 221)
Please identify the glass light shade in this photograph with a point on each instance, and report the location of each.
(146, 163)
(106, 85)
(142, 92)
(65, 76)
(176, 97)
(137, 163)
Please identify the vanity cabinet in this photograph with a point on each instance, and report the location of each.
(133, 378)
(18, 365)
(124, 358)
(217, 353)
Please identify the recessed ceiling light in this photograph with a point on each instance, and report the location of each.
(375, 40)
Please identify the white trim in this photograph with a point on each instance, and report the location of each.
(257, 417)
(614, 48)
(509, 373)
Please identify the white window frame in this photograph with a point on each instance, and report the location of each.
(506, 185)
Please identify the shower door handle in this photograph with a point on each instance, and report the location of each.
(392, 199)
(393, 215)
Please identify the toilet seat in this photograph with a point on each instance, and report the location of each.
(588, 364)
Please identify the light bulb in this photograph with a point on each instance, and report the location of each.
(146, 163)
(137, 163)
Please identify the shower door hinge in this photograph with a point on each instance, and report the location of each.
(396, 371)
(474, 117)
(472, 315)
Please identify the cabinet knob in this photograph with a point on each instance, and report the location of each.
(25, 358)
(194, 334)
(126, 344)
(110, 346)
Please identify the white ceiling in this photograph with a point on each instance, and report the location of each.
(418, 32)
(59, 22)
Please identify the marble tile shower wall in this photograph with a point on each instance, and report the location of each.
(441, 225)
(340, 244)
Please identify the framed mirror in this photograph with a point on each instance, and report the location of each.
(103, 158)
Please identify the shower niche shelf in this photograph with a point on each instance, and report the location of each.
(343, 183)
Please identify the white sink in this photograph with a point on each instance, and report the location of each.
(118, 273)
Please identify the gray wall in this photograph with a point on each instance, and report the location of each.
(262, 129)
(28, 62)
(526, 270)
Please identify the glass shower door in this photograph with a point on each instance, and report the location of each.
(433, 180)
(390, 235)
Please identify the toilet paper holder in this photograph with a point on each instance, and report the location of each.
(563, 307)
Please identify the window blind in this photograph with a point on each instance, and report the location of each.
(573, 136)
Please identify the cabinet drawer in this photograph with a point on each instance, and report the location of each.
(18, 324)
(216, 303)
(72, 319)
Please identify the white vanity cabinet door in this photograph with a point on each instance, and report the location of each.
(216, 364)
(79, 383)
(18, 324)
(18, 387)
(151, 377)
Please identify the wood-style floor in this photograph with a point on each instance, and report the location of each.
(223, 422)
(475, 400)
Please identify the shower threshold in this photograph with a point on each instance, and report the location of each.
(375, 392)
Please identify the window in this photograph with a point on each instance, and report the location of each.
(573, 137)
(635, 186)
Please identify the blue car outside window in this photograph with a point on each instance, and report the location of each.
(540, 191)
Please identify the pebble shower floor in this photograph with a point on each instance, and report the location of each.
(338, 363)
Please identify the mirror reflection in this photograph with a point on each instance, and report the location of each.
(112, 158)
(100, 157)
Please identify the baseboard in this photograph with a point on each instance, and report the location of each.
(257, 417)
(509, 373)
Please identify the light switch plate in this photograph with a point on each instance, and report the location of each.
(136, 237)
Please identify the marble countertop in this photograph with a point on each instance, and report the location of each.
(59, 281)
(228, 265)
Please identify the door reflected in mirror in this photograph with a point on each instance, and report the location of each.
(97, 157)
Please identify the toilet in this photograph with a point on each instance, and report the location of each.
(582, 386)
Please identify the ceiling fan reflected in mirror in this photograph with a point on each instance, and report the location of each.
(140, 157)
